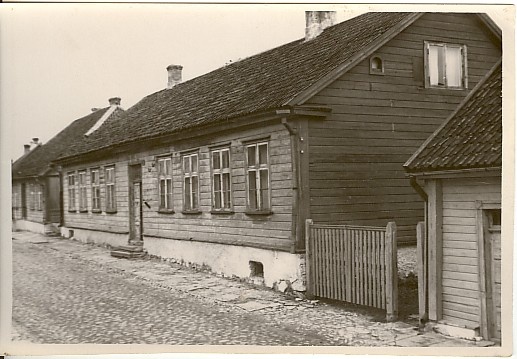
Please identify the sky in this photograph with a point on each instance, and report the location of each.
(57, 61)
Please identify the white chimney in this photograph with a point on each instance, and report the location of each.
(317, 21)
(26, 149)
(174, 77)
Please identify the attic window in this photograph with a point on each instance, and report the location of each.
(376, 65)
(445, 65)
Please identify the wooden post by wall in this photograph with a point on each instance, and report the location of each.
(391, 272)
(309, 282)
(435, 248)
(421, 261)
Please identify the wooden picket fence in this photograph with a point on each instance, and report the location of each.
(354, 264)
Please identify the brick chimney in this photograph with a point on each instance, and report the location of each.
(26, 149)
(317, 21)
(174, 77)
(114, 101)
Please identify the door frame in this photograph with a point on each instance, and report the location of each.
(487, 307)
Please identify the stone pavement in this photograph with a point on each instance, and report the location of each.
(335, 324)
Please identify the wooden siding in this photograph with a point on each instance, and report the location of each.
(33, 214)
(460, 263)
(378, 122)
(16, 200)
(109, 222)
(237, 228)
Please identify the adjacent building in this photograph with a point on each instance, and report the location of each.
(459, 167)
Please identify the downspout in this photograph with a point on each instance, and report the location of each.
(294, 167)
(416, 186)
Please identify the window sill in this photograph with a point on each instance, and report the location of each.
(72, 211)
(96, 211)
(216, 211)
(264, 212)
(191, 211)
(111, 211)
(166, 211)
(83, 211)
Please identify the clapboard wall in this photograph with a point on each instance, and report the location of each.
(379, 121)
(460, 262)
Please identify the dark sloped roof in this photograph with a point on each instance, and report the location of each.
(38, 160)
(471, 137)
(258, 83)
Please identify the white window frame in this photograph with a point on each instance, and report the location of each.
(445, 85)
(222, 199)
(32, 197)
(165, 192)
(71, 183)
(96, 189)
(256, 168)
(39, 197)
(83, 191)
(190, 190)
(111, 193)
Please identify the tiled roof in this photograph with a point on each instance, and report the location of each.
(38, 160)
(258, 83)
(471, 137)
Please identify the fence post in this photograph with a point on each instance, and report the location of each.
(309, 292)
(421, 271)
(391, 272)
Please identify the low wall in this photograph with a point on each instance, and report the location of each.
(278, 267)
(25, 225)
(97, 237)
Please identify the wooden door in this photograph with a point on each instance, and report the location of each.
(135, 203)
(52, 202)
(493, 278)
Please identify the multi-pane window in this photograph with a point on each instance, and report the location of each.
(71, 192)
(165, 183)
(96, 190)
(221, 180)
(111, 201)
(257, 162)
(32, 197)
(446, 65)
(39, 197)
(190, 182)
(83, 204)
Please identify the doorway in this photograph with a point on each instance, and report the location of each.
(492, 236)
(135, 208)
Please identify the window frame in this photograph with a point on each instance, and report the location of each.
(71, 189)
(95, 186)
(260, 209)
(191, 209)
(83, 187)
(32, 198)
(169, 189)
(110, 185)
(221, 171)
(464, 72)
(39, 197)
(376, 71)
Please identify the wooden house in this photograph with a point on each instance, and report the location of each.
(36, 181)
(460, 167)
(224, 169)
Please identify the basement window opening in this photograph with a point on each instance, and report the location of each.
(256, 269)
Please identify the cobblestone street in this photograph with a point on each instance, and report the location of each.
(69, 292)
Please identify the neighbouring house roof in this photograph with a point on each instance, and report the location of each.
(471, 138)
(266, 81)
(37, 161)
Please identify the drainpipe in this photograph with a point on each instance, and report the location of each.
(294, 164)
(416, 186)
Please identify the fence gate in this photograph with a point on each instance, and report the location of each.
(353, 264)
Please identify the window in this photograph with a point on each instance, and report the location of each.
(165, 183)
(111, 201)
(71, 192)
(32, 202)
(96, 191)
(494, 218)
(190, 182)
(39, 197)
(446, 65)
(257, 162)
(376, 65)
(221, 180)
(83, 204)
